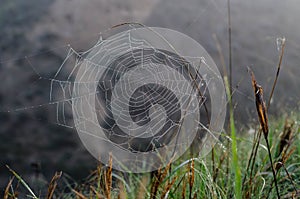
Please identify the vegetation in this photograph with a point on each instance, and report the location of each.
(196, 177)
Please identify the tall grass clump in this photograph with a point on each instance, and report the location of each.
(195, 177)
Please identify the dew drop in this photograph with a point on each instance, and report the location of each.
(280, 42)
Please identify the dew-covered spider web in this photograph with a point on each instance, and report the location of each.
(143, 95)
(140, 95)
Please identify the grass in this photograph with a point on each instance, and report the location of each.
(196, 177)
(235, 163)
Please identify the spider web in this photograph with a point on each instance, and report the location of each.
(138, 95)
(133, 94)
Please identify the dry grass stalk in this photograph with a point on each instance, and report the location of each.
(289, 177)
(282, 46)
(260, 105)
(287, 154)
(122, 191)
(286, 137)
(155, 183)
(217, 169)
(229, 46)
(79, 195)
(99, 196)
(183, 188)
(108, 179)
(191, 176)
(53, 184)
(6, 192)
(195, 195)
(263, 120)
(254, 150)
(254, 153)
(286, 140)
(141, 194)
(292, 195)
(213, 163)
(158, 178)
(168, 187)
(257, 139)
(98, 172)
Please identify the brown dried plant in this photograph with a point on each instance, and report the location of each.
(158, 179)
(263, 120)
(53, 184)
(108, 179)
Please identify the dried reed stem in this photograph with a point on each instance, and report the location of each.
(53, 184)
(263, 119)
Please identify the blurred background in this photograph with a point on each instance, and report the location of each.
(35, 37)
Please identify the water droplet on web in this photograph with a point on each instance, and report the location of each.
(272, 100)
(279, 43)
(204, 77)
(202, 59)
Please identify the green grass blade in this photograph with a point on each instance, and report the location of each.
(235, 164)
(22, 182)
